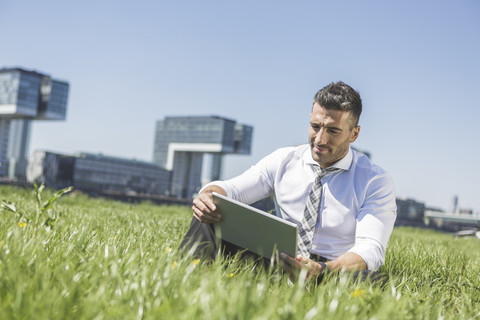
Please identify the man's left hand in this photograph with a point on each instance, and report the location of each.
(293, 266)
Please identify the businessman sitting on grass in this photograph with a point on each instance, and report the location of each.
(343, 204)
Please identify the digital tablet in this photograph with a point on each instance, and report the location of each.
(254, 229)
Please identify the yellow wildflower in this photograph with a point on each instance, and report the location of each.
(230, 275)
(174, 265)
(195, 261)
(168, 250)
(22, 224)
(358, 293)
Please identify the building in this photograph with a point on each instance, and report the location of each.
(192, 147)
(25, 96)
(96, 172)
(99, 172)
(53, 169)
(451, 221)
(410, 212)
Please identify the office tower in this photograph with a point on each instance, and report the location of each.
(455, 204)
(25, 96)
(192, 147)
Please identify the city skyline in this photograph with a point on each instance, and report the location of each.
(415, 65)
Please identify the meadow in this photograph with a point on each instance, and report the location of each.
(74, 257)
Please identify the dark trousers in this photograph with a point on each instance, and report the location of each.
(200, 241)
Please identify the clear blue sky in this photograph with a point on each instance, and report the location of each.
(129, 63)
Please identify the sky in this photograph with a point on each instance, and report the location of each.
(130, 63)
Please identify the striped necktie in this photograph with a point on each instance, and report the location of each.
(310, 214)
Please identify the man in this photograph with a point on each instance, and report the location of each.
(344, 204)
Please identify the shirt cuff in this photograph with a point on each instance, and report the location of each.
(372, 254)
(220, 184)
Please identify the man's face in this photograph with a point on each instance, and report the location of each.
(330, 133)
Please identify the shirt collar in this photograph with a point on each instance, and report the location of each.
(343, 163)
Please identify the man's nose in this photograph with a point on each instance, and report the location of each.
(321, 137)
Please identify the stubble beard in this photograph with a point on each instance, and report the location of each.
(332, 156)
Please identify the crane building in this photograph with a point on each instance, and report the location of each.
(192, 147)
(25, 95)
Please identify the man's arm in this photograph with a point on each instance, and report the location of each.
(203, 207)
(252, 185)
(375, 221)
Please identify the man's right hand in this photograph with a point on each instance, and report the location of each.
(203, 207)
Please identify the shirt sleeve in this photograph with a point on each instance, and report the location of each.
(254, 184)
(375, 221)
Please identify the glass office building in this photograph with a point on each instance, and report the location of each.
(99, 172)
(25, 96)
(53, 169)
(19, 93)
(95, 172)
(4, 131)
(53, 102)
(192, 147)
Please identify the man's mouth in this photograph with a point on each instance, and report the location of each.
(321, 149)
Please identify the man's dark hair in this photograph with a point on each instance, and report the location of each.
(340, 96)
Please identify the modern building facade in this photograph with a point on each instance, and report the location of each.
(410, 212)
(4, 135)
(53, 169)
(25, 96)
(192, 147)
(95, 172)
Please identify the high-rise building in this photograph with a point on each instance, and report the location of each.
(25, 96)
(192, 148)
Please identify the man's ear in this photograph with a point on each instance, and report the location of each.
(355, 133)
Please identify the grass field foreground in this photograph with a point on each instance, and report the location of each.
(102, 259)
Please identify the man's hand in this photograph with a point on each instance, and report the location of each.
(203, 207)
(348, 262)
(293, 266)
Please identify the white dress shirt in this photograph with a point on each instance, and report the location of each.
(357, 210)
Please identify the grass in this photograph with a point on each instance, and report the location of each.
(109, 260)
